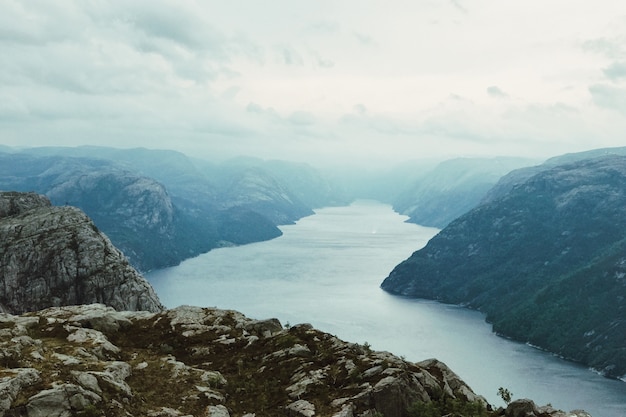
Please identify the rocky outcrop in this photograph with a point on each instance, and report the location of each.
(528, 408)
(92, 360)
(545, 261)
(52, 256)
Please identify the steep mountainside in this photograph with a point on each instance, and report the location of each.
(519, 176)
(183, 206)
(255, 190)
(94, 361)
(51, 256)
(135, 211)
(452, 188)
(202, 183)
(546, 261)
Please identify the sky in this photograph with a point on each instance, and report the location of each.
(316, 81)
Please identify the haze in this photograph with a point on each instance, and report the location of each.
(316, 81)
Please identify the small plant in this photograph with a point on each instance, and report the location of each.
(505, 394)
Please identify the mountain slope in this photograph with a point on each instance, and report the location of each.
(51, 256)
(546, 261)
(135, 211)
(452, 188)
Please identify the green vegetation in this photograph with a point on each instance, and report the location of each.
(505, 394)
(546, 262)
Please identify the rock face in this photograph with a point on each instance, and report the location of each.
(92, 360)
(452, 188)
(184, 207)
(545, 260)
(52, 256)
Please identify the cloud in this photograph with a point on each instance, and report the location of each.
(360, 109)
(284, 77)
(457, 4)
(289, 56)
(302, 118)
(609, 97)
(614, 48)
(364, 39)
(496, 92)
(615, 71)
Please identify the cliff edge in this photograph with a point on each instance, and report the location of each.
(53, 256)
(94, 361)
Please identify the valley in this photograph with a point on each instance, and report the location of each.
(325, 270)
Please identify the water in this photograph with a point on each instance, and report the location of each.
(326, 270)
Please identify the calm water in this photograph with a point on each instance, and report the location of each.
(326, 270)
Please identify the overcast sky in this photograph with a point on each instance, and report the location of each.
(316, 80)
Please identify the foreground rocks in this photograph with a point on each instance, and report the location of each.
(52, 256)
(92, 360)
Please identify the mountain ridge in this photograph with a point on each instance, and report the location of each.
(51, 256)
(545, 262)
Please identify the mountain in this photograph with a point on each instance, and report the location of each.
(545, 260)
(91, 360)
(518, 176)
(452, 188)
(51, 256)
(192, 216)
(204, 183)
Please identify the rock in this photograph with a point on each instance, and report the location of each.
(300, 408)
(264, 328)
(14, 203)
(125, 370)
(12, 384)
(528, 408)
(63, 400)
(217, 411)
(346, 411)
(53, 256)
(521, 408)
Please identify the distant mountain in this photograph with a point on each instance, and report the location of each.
(452, 188)
(519, 176)
(161, 207)
(135, 211)
(545, 260)
(53, 256)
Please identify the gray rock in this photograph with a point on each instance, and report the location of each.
(14, 203)
(522, 408)
(301, 408)
(264, 328)
(62, 400)
(217, 411)
(13, 384)
(53, 256)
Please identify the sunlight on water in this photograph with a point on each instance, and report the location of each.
(326, 270)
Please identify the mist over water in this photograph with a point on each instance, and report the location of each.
(326, 270)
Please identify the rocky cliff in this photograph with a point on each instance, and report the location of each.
(183, 206)
(452, 188)
(51, 256)
(94, 361)
(133, 209)
(545, 260)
